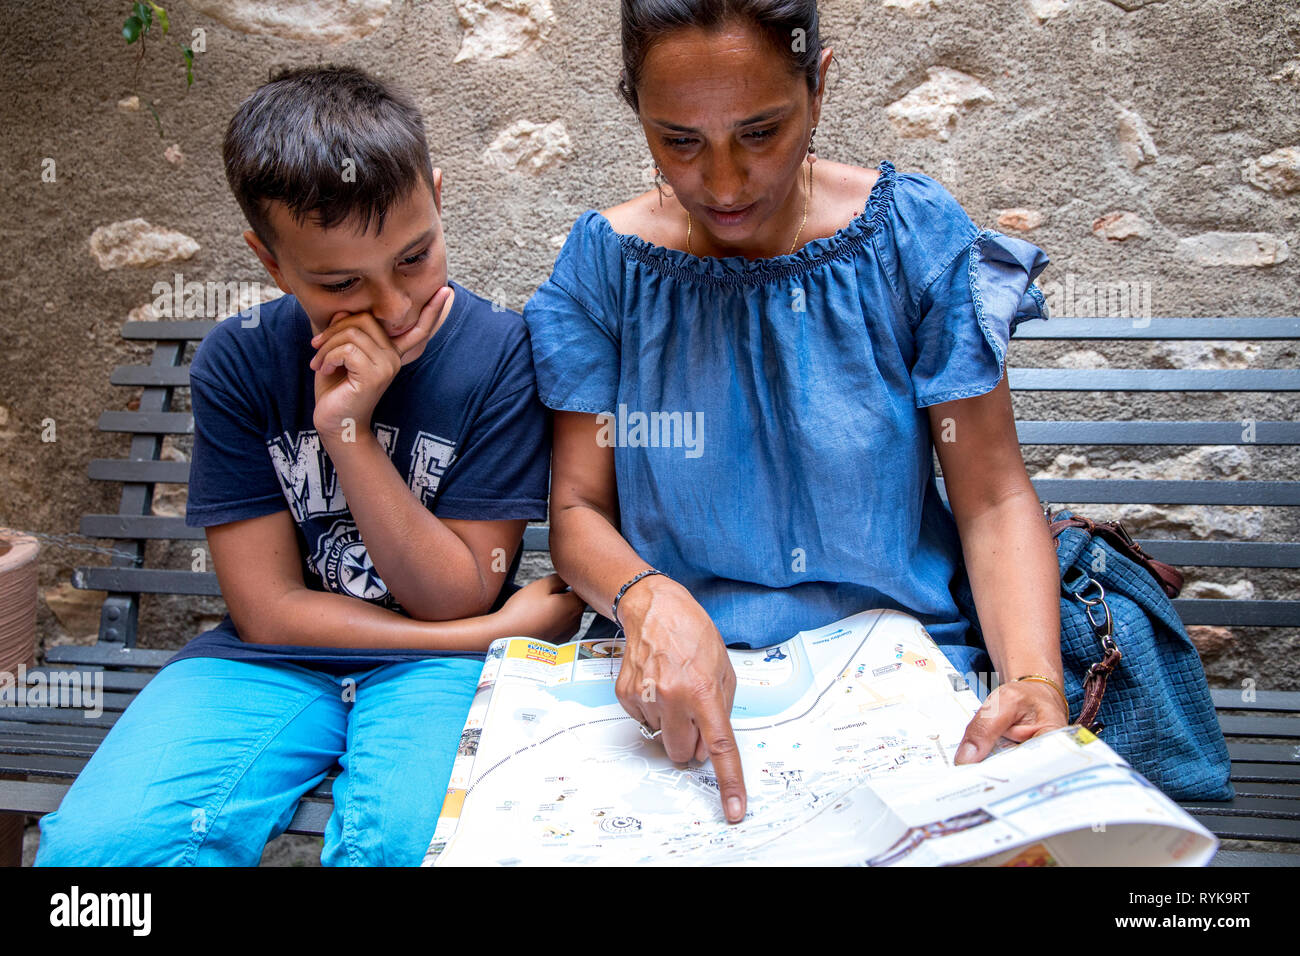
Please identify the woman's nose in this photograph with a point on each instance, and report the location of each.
(723, 178)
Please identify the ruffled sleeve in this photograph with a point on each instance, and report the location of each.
(573, 322)
(964, 290)
(968, 314)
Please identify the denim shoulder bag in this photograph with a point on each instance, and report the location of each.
(1120, 633)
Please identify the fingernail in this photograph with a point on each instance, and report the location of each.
(734, 809)
(966, 752)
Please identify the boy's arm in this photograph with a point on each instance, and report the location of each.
(438, 569)
(259, 568)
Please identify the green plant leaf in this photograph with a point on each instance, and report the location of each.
(144, 14)
(189, 66)
(162, 17)
(131, 29)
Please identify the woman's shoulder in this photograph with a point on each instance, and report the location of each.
(654, 217)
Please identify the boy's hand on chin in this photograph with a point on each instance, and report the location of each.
(355, 362)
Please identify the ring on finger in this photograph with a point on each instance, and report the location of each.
(647, 733)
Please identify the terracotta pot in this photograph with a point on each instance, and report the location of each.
(18, 569)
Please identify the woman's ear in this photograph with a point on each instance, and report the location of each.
(822, 69)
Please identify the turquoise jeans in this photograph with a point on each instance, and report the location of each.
(209, 761)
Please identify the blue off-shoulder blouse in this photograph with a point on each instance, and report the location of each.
(771, 446)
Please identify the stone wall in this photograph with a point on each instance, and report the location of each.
(1151, 147)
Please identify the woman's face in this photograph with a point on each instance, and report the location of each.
(728, 124)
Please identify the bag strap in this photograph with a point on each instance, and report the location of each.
(1116, 535)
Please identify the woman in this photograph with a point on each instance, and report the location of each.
(798, 343)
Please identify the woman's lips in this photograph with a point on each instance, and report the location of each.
(729, 218)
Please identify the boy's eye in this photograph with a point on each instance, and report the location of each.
(340, 287)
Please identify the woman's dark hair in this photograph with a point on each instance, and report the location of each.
(296, 137)
(791, 26)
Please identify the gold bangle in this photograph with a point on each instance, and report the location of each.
(1055, 687)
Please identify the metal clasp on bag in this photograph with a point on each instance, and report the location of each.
(1103, 625)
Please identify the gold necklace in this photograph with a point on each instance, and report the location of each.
(807, 196)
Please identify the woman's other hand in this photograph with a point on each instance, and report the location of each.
(1016, 710)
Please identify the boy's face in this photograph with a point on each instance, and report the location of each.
(341, 271)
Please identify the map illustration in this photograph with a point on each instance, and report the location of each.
(847, 735)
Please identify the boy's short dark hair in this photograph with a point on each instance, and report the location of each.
(291, 140)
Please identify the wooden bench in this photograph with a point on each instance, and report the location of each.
(48, 746)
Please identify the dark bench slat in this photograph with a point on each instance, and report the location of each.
(124, 470)
(1162, 327)
(1263, 753)
(67, 716)
(1254, 858)
(1249, 828)
(28, 797)
(147, 580)
(1229, 698)
(54, 739)
(537, 538)
(1275, 791)
(311, 817)
(102, 697)
(1223, 554)
(1153, 380)
(37, 731)
(1249, 772)
(140, 527)
(1195, 611)
(107, 655)
(1032, 432)
(41, 765)
(1277, 728)
(148, 423)
(190, 331)
(1263, 808)
(1153, 492)
(113, 681)
(173, 376)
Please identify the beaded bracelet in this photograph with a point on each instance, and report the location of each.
(1055, 687)
(623, 590)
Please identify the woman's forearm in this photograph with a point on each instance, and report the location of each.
(1015, 579)
(592, 555)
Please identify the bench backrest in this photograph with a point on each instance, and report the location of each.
(135, 524)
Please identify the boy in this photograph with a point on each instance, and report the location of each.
(368, 449)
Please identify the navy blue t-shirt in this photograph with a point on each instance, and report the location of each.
(462, 423)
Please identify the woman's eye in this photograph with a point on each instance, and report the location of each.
(761, 134)
(678, 142)
(339, 287)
